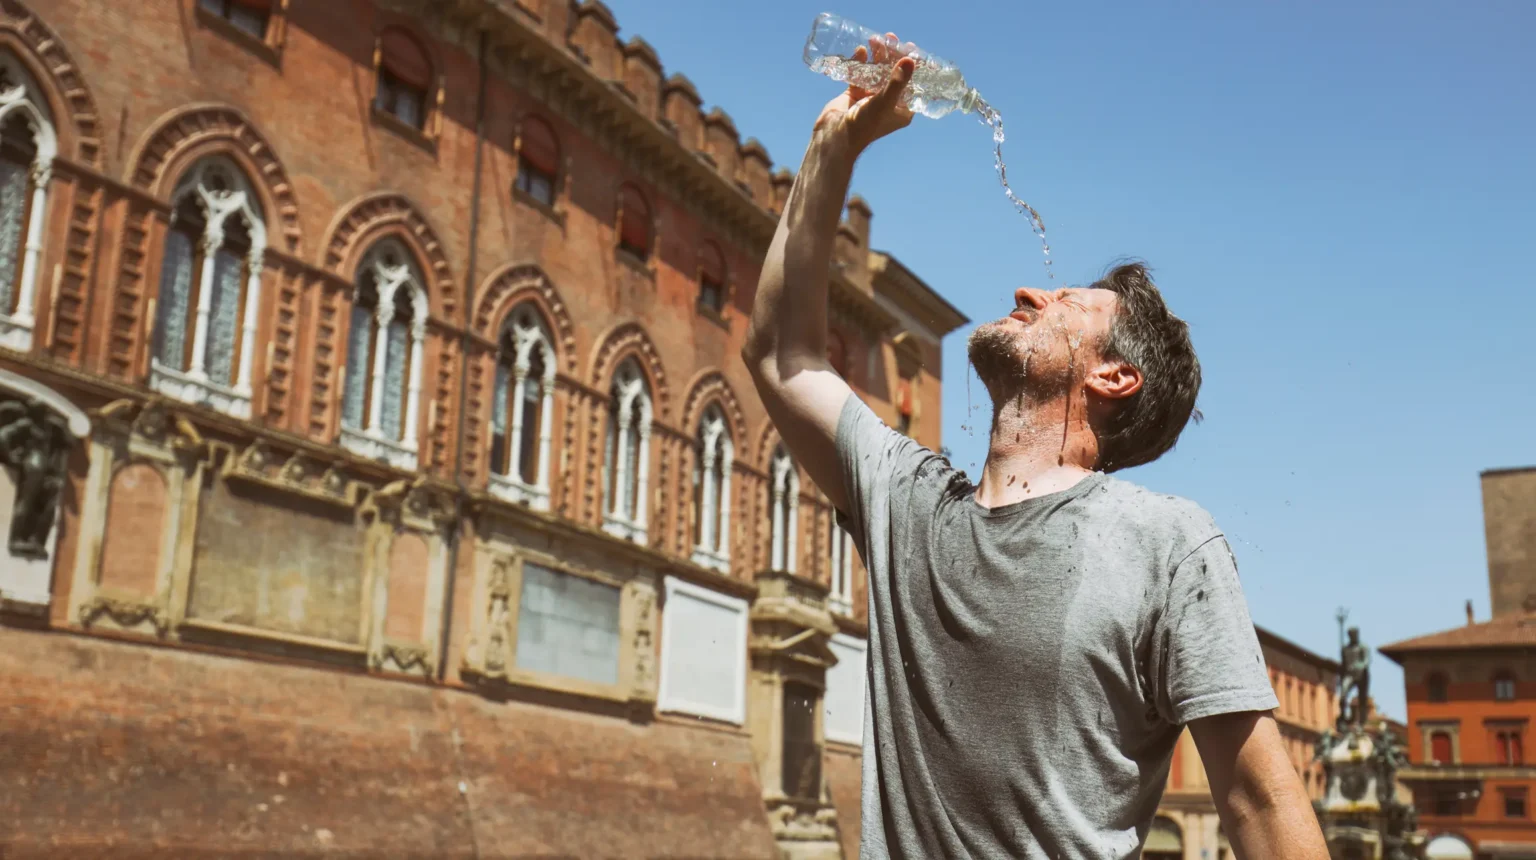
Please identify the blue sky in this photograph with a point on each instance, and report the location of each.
(1336, 196)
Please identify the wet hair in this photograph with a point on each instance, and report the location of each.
(1147, 336)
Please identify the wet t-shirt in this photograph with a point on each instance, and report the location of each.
(1031, 665)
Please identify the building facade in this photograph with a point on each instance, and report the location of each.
(382, 475)
(1471, 694)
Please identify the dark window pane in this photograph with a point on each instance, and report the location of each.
(802, 755)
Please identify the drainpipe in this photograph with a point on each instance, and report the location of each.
(462, 496)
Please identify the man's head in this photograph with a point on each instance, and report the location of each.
(1116, 342)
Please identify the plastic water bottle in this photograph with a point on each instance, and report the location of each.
(937, 87)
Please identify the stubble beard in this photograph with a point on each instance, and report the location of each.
(1002, 359)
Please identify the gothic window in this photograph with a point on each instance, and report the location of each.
(634, 223)
(711, 279)
(381, 392)
(784, 502)
(801, 766)
(841, 595)
(247, 16)
(210, 288)
(627, 462)
(1504, 686)
(522, 407)
(27, 149)
(1437, 687)
(404, 79)
(538, 161)
(712, 491)
(1440, 748)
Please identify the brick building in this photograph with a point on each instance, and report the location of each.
(1472, 695)
(380, 363)
(381, 475)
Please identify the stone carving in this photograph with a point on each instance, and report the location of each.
(405, 658)
(623, 341)
(793, 824)
(376, 214)
(498, 613)
(35, 442)
(516, 284)
(645, 643)
(197, 124)
(124, 613)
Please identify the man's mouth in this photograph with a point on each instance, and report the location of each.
(1026, 314)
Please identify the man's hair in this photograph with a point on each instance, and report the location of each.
(1147, 336)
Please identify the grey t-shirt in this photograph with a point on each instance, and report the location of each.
(1031, 665)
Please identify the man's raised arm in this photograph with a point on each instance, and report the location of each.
(787, 341)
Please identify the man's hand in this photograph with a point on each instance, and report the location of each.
(1264, 808)
(863, 117)
(786, 347)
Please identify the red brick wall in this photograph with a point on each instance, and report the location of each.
(140, 751)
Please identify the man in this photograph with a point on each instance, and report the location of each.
(1037, 641)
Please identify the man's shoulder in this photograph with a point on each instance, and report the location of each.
(1168, 515)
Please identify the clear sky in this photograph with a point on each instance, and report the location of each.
(1337, 197)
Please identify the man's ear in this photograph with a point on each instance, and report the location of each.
(1114, 380)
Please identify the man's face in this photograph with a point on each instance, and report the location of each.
(1046, 345)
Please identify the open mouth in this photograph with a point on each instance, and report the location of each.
(1026, 314)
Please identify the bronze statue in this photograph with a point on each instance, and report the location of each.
(1356, 679)
(34, 446)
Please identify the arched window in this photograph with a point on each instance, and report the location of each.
(1504, 686)
(27, 149)
(711, 278)
(1438, 687)
(634, 223)
(1440, 748)
(538, 161)
(210, 289)
(784, 501)
(712, 492)
(381, 394)
(249, 16)
(522, 408)
(404, 79)
(841, 593)
(627, 464)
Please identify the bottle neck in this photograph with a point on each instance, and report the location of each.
(969, 101)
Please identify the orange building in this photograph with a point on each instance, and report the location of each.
(1472, 696)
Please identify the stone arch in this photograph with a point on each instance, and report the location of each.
(185, 135)
(77, 120)
(621, 342)
(708, 387)
(767, 441)
(512, 285)
(375, 216)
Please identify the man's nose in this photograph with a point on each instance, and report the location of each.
(1034, 298)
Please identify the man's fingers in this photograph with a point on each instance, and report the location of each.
(889, 96)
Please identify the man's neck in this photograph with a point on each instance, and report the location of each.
(1036, 449)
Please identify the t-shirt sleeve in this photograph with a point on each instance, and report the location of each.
(1206, 649)
(872, 456)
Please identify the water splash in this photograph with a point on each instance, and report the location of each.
(994, 120)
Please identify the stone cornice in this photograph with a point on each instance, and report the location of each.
(897, 283)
